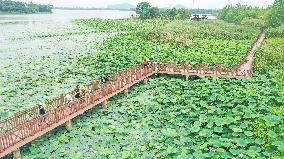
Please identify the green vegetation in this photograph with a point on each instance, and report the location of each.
(173, 118)
(270, 57)
(275, 16)
(176, 41)
(145, 11)
(239, 13)
(130, 45)
(277, 32)
(170, 117)
(21, 7)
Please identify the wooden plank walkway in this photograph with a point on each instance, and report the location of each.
(26, 126)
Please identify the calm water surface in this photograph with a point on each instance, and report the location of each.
(16, 32)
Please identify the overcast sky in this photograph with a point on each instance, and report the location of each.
(215, 4)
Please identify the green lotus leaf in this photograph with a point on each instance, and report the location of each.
(218, 129)
(248, 133)
(279, 145)
(195, 129)
(259, 141)
(251, 153)
(271, 120)
(237, 130)
(272, 134)
(242, 142)
(170, 132)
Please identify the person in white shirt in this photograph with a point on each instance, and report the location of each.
(68, 98)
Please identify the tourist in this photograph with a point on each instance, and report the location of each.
(68, 98)
(42, 112)
(103, 80)
(77, 92)
(150, 63)
(146, 63)
(84, 90)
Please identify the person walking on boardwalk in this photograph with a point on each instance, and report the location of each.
(68, 98)
(83, 93)
(103, 80)
(146, 63)
(150, 61)
(77, 92)
(42, 112)
(84, 90)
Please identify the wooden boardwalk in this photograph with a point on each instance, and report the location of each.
(26, 126)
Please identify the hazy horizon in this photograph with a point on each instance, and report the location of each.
(204, 4)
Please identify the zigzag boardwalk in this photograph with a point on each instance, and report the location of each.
(26, 126)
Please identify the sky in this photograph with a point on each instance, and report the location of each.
(204, 4)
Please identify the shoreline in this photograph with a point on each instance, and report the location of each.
(94, 9)
(17, 13)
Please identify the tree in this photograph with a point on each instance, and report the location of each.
(154, 12)
(172, 13)
(275, 15)
(22, 7)
(232, 14)
(183, 13)
(143, 9)
(236, 14)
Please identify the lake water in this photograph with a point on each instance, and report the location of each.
(15, 30)
(64, 15)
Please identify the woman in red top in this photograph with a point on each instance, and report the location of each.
(145, 63)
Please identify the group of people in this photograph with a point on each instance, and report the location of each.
(77, 94)
(81, 92)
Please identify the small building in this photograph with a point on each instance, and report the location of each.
(203, 17)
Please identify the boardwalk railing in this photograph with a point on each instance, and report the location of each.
(26, 126)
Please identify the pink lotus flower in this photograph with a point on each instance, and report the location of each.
(213, 149)
(241, 155)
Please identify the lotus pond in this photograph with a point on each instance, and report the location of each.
(173, 118)
(169, 117)
(80, 53)
(32, 64)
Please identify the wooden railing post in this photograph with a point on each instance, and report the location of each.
(61, 100)
(17, 119)
(186, 77)
(105, 104)
(126, 92)
(69, 125)
(17, 154)
(145, 81)
(95, 86)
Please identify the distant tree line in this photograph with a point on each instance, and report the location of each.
(83, 8)
(241, 14)
(237, 13)
(275, 16)
(22, 7)
(146, 11)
